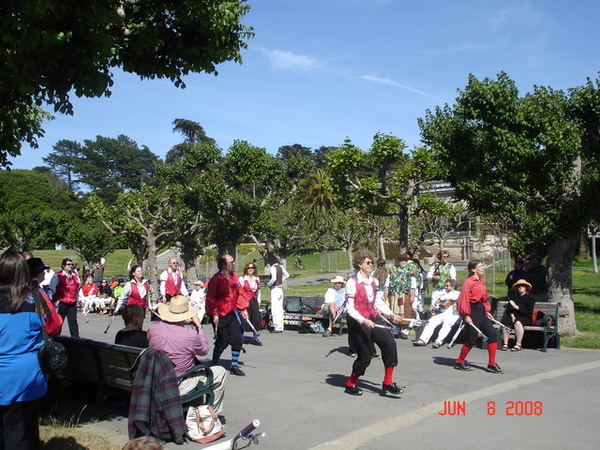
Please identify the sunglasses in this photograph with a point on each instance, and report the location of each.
(370, 263)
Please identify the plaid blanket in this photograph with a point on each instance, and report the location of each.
(155, 406)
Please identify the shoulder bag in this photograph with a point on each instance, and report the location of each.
(52, 355)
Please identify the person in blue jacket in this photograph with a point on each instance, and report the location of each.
(23, 382)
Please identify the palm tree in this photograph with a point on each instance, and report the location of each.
(318, 195)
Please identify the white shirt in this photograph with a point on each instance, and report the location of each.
(284, 275)
(380, 305)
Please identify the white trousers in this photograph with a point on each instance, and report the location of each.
(446, 319)
(277, 308)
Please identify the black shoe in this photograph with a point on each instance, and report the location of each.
(257, 342)
(235, 370)
(391, 388)
(462, 366)
(376, 356)
(277, 331)
(403, 336)
(353, 390)
(222, 419)
(494, 368)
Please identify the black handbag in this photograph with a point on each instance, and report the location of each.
(52, 355)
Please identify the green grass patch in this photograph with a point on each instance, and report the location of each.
(117, 262)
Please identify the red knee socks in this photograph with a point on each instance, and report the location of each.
(352, 380)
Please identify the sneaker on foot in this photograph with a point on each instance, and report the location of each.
(327, 332)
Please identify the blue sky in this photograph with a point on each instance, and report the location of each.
(319, 71)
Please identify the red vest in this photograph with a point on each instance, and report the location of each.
(66, 289)
(362, 304)
(172, 287)
(134, 296)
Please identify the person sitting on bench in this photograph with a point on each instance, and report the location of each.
(182, 343)
(447, 316)
(132, 334)
(334, 301)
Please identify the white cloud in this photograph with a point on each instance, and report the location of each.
(282, 60)
(398, 85)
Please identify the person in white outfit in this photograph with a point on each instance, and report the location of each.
(198, 298)
(278, 276)
(446, 316)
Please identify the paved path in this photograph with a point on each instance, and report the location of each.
(293, 384)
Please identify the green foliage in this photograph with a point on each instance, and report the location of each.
(52, 48)
(32, 209)
(385, 181)
(529, 161)
(106, 166)
(89, 239)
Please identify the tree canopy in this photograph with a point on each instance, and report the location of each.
(50, 49)
(529, 161)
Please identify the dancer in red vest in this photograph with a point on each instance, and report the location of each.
(67, 291)
(366, 310)
(171, 282)
(136, 290)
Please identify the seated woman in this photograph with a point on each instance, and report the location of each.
(132, 334)
(517, 314)
(88, 296)
(105, 296)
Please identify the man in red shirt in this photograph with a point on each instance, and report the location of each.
(226, 306)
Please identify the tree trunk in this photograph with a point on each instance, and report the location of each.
(152, 263)
(381, 246)
(560, 280)
(349, 254)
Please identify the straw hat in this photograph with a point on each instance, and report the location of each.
(177, 310)
(521, 282)
(338, 279)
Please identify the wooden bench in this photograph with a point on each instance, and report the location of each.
(308, 309)
(550, 328)
(109, 366)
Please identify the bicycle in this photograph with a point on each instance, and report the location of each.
(244, 435)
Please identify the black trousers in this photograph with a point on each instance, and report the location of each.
(229, 332)
(19, 427)
(69, 311)
(253, 315)
(480, 320)
(362, 337)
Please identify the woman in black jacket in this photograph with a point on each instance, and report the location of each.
(518, 314)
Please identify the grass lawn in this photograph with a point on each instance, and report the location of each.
(117, 262)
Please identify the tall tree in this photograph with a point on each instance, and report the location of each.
(109, 166)
(146, 215)
(193, 133)
(385, 181)
(63, 161)
(530, 161)
(53, 48)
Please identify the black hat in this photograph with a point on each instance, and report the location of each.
(36, 265)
